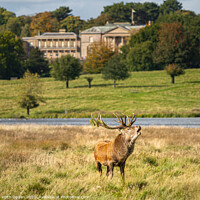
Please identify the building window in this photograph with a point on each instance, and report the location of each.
(31, 44)
(51, 44)
(45, 54)
(74, 43)
(91, 39)
(39, 44)
(56, 43)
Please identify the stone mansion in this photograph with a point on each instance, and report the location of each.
(56, 44)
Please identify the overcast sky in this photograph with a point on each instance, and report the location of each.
(83, 8)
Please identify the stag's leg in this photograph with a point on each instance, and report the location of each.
(111, 168)
(98, 164)
(108, 170)
(122, 170)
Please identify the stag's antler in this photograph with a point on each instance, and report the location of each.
(99, 122)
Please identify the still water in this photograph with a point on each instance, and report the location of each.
(182, 122)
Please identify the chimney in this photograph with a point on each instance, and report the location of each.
(62, 30)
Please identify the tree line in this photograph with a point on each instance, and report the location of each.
(172, 42)
(62, 17)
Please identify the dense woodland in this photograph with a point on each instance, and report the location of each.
(174, 36)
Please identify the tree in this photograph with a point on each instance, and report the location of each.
(174, 70)
(25, 31)
(120, 12)
(14, 25)
(5, 15)
(11, 52)
(139, 57)
(66, 68)
(98, 55)
(172, 45)
(170, 6)
(36, 62)
(30, 92)
(72, 24)
(138, 52)
(43, 22)
(191, 26)
(89, 80)
(62, 12)
(115, 69)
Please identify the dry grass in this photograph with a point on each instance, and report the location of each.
(58, 161)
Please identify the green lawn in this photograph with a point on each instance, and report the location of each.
(147, 94)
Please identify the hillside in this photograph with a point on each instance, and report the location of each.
(148, 94)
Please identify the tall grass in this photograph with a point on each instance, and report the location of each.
(149, 94)
(58, 162)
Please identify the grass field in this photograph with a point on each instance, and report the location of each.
(54, 161)
(148, 94)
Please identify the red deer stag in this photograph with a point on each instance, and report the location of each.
(115, 153)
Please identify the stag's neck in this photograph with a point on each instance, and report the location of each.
(120, 145)
(132, 143)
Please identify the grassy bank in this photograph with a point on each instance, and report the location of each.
(58, 161)
(148, 94)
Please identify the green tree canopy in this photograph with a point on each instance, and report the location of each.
(14, 25)
(66, 68)
(5, 15)
(174, 70)
(120, 12)
(11, 52)
(72, 24)
(138, 52)
(115, 69)
(62, 12)
(30, 91)
(170, 6)
(36, 62)
(139, 57)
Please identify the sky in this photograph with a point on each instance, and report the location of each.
(86, 9)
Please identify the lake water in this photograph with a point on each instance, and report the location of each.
(182, 122)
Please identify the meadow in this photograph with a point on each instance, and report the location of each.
(57, 162)
(148, 94)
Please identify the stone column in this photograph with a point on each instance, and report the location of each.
(122, 40)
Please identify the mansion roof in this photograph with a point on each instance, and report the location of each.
(57, 34)
(110, 27)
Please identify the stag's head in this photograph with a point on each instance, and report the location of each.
(130, 132)
(126, 129)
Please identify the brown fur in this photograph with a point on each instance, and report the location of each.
(115, 153)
